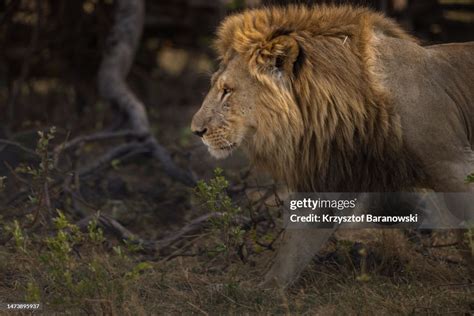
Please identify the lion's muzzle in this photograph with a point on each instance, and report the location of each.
(198, 125)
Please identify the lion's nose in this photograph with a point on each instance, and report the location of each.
(200, 133)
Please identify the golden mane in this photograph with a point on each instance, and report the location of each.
(331, 124)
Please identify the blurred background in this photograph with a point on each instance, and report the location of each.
(51, 49)
(49, 58)
(50, 53)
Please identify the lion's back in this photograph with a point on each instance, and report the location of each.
(432, 89)
(458, 75)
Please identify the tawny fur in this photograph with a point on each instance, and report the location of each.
(330, 126)
(339, 99)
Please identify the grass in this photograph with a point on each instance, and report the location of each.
(333, 287)
(69, 270)
(85, 273)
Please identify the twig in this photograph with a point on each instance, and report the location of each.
(159, 152)
(122, 151)
(108, 223)
(15, 174)
(192, 228)
(18, 145)
(181, 251)
(74, 198)
(47, 199)
(100, 136)
(184, 254)
(105, 159)
(161, 246)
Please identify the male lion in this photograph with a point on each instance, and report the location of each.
(339, 99)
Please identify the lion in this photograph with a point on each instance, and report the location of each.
(338, 99)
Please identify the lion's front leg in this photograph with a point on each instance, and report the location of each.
(297, 248)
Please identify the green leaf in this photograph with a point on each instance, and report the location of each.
(470, 178)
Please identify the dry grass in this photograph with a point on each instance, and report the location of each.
(389, 277)
(403, 282)
(375, 272)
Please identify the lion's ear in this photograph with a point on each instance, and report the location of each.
(280, 54)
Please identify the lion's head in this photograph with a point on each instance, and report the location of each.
(294, 86)
(245, 105)
(227, 116)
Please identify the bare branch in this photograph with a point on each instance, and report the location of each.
(18, 145)
(109, 224)
(190, 229)
(162, 246)
(116, 63)
(118, 59)
(115, 153)
(100, 136)
(159, 152)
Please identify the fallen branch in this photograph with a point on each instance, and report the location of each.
(109, 224)
(161, 246)
(194, 227)
(164, 245)
(100, 136)
(106, 159)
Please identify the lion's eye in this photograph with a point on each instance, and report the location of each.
(225, 92)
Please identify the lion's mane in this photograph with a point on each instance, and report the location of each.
(330, 126)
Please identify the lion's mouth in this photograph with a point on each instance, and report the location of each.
(222, 151)
(228, 147)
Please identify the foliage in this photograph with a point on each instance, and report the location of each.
(470, 178)
(71, 269)
(227, 232)
(46, 165)
(74, 269)
(39, 177)
(470, 239)
(18, 236)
